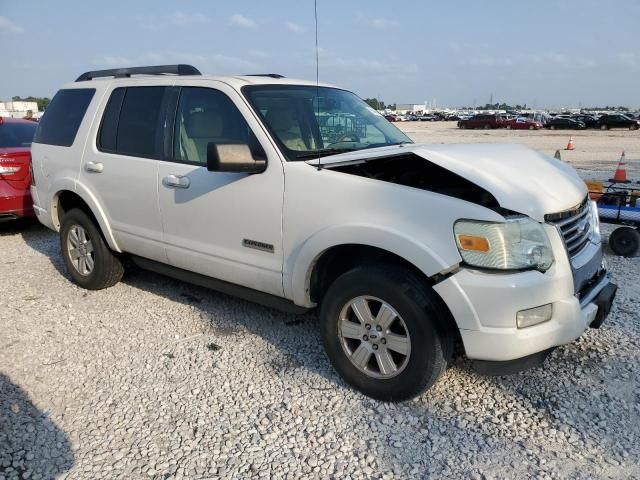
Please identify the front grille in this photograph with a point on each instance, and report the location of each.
(575, 227)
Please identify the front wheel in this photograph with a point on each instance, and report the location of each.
(88, 259)
(384, 332)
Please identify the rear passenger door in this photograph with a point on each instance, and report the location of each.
(223, 225)
(121, 167)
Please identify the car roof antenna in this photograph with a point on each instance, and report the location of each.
(315, 16)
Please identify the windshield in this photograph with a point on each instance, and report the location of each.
(310, 122)
(14, 135)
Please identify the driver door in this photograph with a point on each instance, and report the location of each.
(223, 225)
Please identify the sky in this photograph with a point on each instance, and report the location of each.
(547, 53)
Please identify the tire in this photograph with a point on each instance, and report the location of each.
(509, 127)
(531, 127)
(96, 267)
(420, 317)
(625, 241)
(604, 127)
(486, 127)
(633, 127)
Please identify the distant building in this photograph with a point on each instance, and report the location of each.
(410, 107)
(19, 109)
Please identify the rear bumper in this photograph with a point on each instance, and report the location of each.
(14, 202)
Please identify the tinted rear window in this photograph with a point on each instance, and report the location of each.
(13, 135)
(60, 122)
(139, 131)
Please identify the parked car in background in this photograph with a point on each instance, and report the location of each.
(16, 135)
(589, 121)
(486, 121)
(522, 123)
(391, 118)
(605, 122)
(427, 117)
(565, 123)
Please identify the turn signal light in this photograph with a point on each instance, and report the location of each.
(470, 242)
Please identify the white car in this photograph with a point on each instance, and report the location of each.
(298, 195)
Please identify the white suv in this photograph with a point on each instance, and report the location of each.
(298, 195)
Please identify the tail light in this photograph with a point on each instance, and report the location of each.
(14, 168)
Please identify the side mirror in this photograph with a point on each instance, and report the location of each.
(230, 157)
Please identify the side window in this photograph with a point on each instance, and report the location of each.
(140, 125)
(63, 117)
(206, 115)
(109, 128)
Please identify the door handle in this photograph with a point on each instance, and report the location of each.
(176, 181)
(94, 167)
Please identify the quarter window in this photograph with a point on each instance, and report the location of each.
(63, 117)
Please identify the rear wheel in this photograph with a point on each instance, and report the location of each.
(88, 259)
(383, 331)
(625, 241)
(633, 127)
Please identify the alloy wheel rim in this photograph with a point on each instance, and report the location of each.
(374, 337)
(80, 249)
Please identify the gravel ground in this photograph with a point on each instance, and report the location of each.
(155, 378)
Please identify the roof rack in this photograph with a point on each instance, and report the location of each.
(272, 75)
(180, 69)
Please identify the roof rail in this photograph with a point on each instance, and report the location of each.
(272, 75)
(180, 69)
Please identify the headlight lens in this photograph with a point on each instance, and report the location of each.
(519, 243)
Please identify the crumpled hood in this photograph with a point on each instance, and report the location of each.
(520, 179)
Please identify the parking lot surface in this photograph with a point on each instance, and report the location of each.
(155, 378)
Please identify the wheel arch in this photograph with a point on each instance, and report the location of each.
(335, 249)
(65, 199)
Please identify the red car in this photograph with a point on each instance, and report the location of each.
(483, 120)
(522, 123)
(16, 135)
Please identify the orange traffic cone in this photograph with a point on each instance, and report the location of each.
(620, 176)
(570, 144)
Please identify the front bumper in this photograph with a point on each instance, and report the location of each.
(484, 306)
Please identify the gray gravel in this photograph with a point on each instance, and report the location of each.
(154, 378)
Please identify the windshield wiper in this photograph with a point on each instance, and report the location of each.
(323, 153)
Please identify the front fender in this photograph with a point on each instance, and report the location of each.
(298, 270)
(69, 184)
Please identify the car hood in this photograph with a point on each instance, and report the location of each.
(520, 179)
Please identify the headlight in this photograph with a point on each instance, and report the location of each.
(519, 243)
